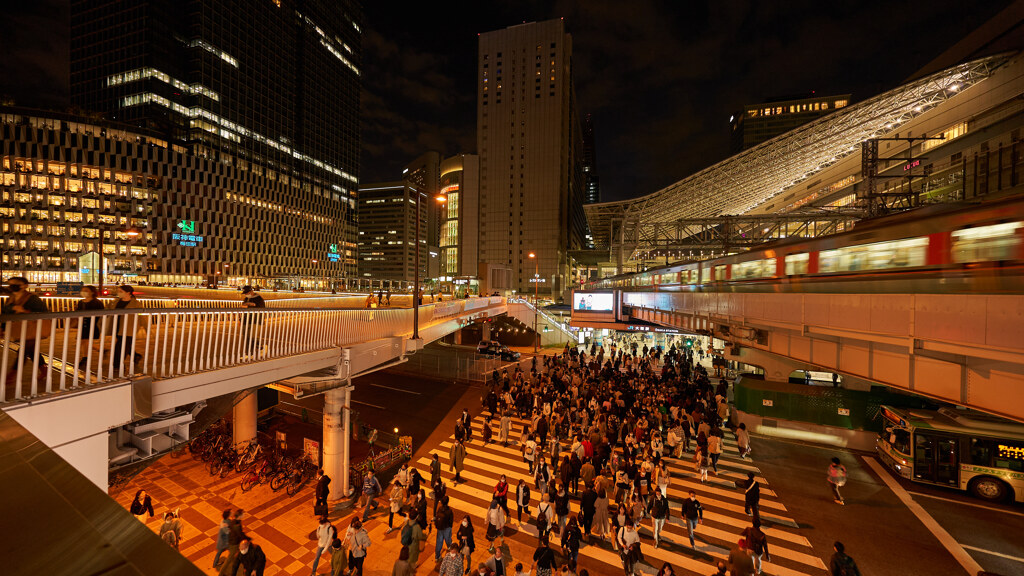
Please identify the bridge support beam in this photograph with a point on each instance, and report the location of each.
(243, 416)
(776, 368)
(337, 424)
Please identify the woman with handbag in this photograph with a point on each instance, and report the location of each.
(467, 544)
(495, 525)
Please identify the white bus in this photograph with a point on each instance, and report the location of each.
(961, 449)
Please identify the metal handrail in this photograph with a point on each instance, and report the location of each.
(551, 319)
(76, 349)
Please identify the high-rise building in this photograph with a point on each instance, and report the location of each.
(757, 123)
(592, 181)
(269, 89)
(387, 233)
(424, 173)
(530, 145)
(460, 183)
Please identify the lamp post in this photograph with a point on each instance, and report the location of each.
(536, 301)
(131, 233)
(416, 267)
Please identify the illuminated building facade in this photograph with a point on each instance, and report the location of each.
(759, 122)
(460, 183)
(530, 144)
(387, 230)
(65, 180)
(254, 88)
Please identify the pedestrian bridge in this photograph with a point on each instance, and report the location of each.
(172, 357)
(967, 349)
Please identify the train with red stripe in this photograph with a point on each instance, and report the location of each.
(976, 248)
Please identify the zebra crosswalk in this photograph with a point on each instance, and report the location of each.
(722, 499)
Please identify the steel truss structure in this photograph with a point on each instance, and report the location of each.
(744, 181)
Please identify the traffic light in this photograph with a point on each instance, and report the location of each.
(689, 342)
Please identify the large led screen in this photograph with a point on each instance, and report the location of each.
(593, 301)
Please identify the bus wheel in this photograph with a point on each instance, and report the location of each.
(988, 488)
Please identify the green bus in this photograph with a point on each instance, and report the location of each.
(961, 449)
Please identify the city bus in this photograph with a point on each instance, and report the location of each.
(961, 449)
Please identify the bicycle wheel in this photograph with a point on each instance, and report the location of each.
(248, 481)
(226, 468)
(278, 481)
(213, 466)
(294, 483)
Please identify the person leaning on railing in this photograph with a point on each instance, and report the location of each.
(125, 300)
(90, 328)
(20, 301)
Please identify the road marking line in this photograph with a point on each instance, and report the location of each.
(971, 504)
(393, 388)
(944, 538)
(368, 404)
(1001, 555)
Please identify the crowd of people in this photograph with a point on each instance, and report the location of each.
(599, 425)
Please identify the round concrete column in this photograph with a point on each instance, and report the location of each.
(336, 440)
(244, 419)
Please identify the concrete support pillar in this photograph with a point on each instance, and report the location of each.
(486, 331)
(243, 416)
(337, 426)
(458, 337)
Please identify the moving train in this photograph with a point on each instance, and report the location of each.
(978, 248)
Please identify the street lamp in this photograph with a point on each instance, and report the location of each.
(131, 233)
(416, 266)
(314, 260)
(536, 301)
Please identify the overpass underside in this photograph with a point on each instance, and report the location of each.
(963, 349)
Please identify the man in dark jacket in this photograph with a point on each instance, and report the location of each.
(252, 558)
(841, 564)
(588, 506)
(443, 522)
(322, 491)
(235, 537)
(757, 541)
(693, 514)
(752, 496)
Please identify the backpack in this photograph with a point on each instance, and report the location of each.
(847, 567)
(170, 537)
(407, 535)
(837, 474)
(757, 542)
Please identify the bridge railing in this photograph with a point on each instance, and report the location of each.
(56, 351)
(556, 322)
(68, 303)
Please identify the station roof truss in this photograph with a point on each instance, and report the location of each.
(742, 182)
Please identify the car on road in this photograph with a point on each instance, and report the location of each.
(497, 350)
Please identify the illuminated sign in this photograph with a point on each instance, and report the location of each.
(187, 236)
(593, 301)
(890, 415)
(910, 165)
(844, 411)
(332, 254)
(766, 402)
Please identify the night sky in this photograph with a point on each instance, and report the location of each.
(659, 77)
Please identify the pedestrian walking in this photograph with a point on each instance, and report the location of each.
(222, 536)
(127, 327)
(588, 506)
(571, 538)
(543, 560)
(702, 464)
(251, 322)
(743, 440)
(439, 489)
(170, 530)
(500, 493)
(339, 558)
(21, 301)
(235, 537)
(457, 459)
(141, 505)
(435, 469)
(629, 547)
(545, 515)
(325, 535)
(840, 564)
(522, 501)
(358, 541)
(715, 448)
(837, 479)
(412, 539)
(601, 519)
(530, 454)
(752, 496)
(89, 329)
(451, 565)
(495, 525)
(741, 562)
(504, 427)
(322, 491)
(467, 542)
(443, 523)
(693, 514)
(562, 507)
(371, 489)
(757, 541)
(498, 564)
(402, 566)
(251, 558)
(396, 500)
(659, 515)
